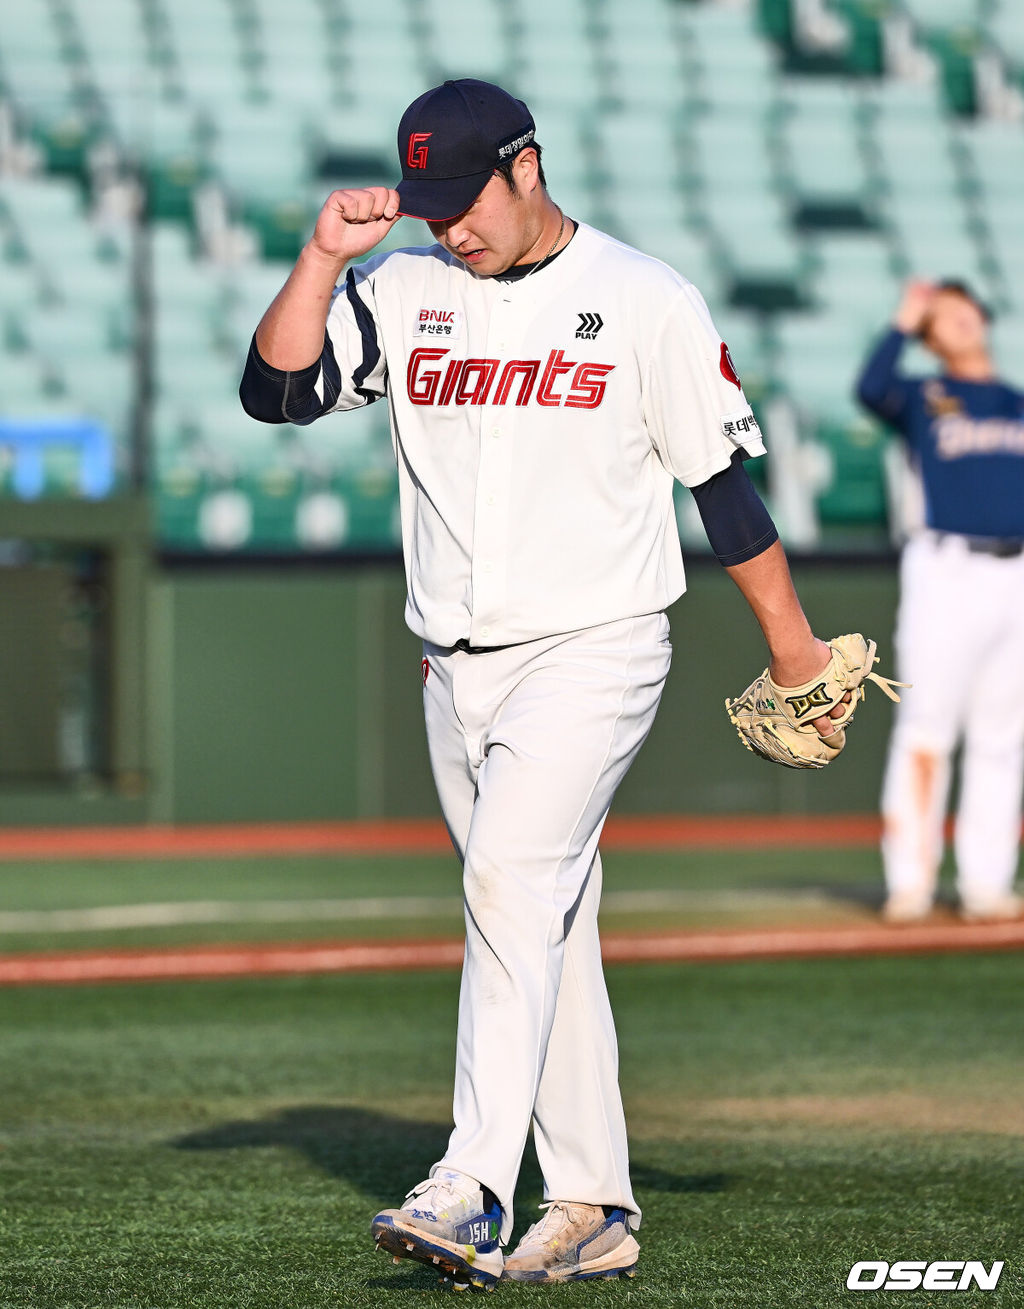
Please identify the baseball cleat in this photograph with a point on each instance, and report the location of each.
(451, 1224)
(907, 907)
(1001, 909)
(574, 1243)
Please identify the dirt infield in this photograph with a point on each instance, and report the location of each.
(424, 836)
(177, 963)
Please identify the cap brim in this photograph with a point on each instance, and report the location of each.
(438, 199)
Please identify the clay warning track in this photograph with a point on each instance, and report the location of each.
(424, 836)
(174, 963)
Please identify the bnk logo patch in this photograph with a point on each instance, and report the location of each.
(445, 324)
(816, 699)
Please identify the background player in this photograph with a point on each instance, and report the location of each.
(546, 385)
(960, 631)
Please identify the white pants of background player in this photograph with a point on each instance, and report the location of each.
(528, 745)
(960, 642)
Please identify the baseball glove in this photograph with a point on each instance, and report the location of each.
(777, 722)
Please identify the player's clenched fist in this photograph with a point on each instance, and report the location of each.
(353, 222)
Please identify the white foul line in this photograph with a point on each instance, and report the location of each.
(381, 908)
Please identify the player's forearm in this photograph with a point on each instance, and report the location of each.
(875, 387)
(291, 333)
(765, 582)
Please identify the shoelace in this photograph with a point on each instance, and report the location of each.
(457, 1188)
(537, 1232)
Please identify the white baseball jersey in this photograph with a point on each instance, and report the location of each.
(538, 426)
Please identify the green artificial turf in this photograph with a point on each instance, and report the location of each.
(226, 1143)
(847, 883)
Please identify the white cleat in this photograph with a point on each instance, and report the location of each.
(451, 1224)
(907, 907)
(1001, 909)
(574, 1243)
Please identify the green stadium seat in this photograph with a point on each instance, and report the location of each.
(22, 287)
(638, 152)
(1008, 343)
(856, 492)
(818, 356)
(855, 275)
(55, 331)
(996, 157)
(164, 137)
(734, 64)
(48, 220)
(467, 38)
(35, 65)
(101, 284)
(553, 82)
(1005, 27)
(945, 13)
(864, 50)
(643, 47)
(101, 386)
(26, 384)
(825, 163)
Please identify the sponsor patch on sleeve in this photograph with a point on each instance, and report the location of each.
(740, 425)
(438, 323)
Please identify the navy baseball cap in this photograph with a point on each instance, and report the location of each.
(450, 141)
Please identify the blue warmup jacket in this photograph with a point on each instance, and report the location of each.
(967, 439)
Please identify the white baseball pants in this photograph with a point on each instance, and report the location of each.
(960, 641)
(528, 745)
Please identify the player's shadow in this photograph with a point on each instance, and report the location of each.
(381, 1155)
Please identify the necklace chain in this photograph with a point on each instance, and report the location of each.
(561, 229)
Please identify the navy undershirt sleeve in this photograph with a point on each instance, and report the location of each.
(275, 396)
(880, 388)
(735, 519)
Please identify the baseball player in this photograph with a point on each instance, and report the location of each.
(960, 628)
(546, 385)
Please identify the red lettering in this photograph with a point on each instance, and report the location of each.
(527, 369)
(554, 367)
(450, 378)
(472, 381)
(588, 388)
(422, 384)
(416, 154)
(484, 371)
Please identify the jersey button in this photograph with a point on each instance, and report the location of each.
(495, 431)
(488, 568)
(491, 499)
(485, 631)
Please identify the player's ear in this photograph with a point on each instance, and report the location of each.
(525, 170)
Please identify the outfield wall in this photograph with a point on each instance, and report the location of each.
(295, 694)
(238, 694)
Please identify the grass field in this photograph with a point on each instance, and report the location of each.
(226, 1144)
(295, 898)
(173, 1145)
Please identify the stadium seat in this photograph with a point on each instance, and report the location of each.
(854, 275)
(856, 492)
(1006, 28)
(467, 38)
(643, 49)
